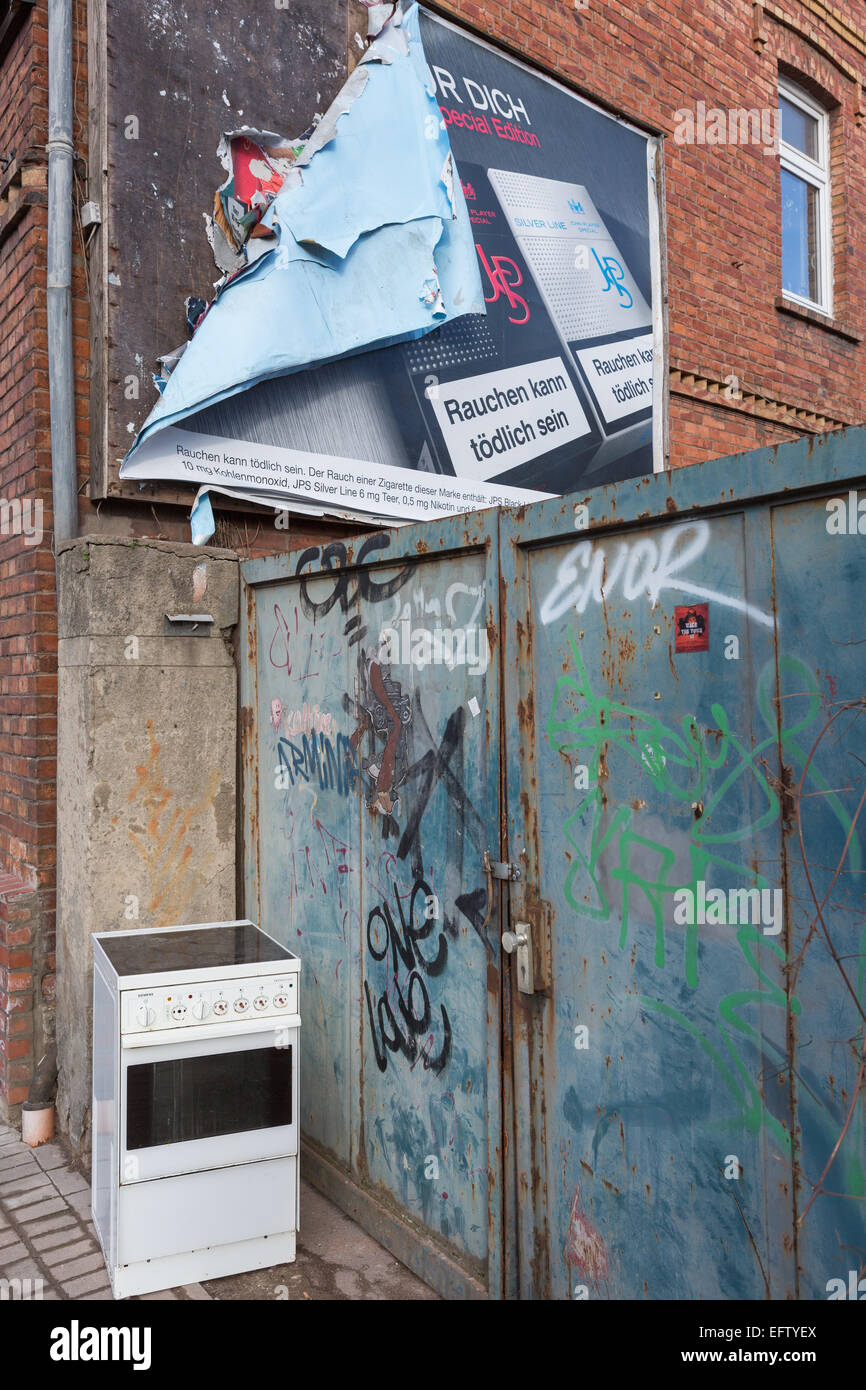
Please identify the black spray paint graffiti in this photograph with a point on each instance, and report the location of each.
(408, 1030)
(334, 559)
(400, 1019)
(386, 715)
(400, 764)
(418, 779)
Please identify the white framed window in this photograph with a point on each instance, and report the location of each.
(804, 157)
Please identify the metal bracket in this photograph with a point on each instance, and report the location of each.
(193, 620)
(520, 942)
(507, 873)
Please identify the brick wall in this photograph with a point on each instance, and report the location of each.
(26, 986)
(28, 623)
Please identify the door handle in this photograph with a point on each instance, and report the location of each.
(519, 942)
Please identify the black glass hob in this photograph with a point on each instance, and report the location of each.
(148, 952)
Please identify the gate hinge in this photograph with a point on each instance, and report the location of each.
(509, 873)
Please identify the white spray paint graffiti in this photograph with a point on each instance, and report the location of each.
(643, 567)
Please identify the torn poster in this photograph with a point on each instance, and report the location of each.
(257, 163)
(369, 239)
(546, 380)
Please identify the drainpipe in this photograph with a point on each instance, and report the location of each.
(37, 1120)
(64, 476)
(37, 1112)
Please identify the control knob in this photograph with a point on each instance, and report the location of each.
(241, 1004)
(511, 941)
(281, 999)
(145, 1016)
(260, 1002)
(178, 1012)
(221, 1006)
(201, 1008)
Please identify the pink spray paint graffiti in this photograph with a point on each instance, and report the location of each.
(585, 1249)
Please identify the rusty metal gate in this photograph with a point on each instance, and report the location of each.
(623, 732)
(372, 793)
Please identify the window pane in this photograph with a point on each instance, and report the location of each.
(799, 237)
(799, 128)
(200, 1097)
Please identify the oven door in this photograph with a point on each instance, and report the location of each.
(191, 1105)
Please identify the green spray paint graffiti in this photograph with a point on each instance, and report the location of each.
(725, 800)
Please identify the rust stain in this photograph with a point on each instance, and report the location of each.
(787, 799)
(526, 714)
(627, 649)
(163, 845)
(603, 770)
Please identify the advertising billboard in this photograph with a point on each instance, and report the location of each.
(548, 386)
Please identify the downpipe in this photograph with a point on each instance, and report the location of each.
(64, 474)
(37, 1112)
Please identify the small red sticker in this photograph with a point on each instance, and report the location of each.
(692, 625)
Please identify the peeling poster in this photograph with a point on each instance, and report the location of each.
(437, 298)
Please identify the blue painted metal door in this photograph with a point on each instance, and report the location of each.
(685, 768)
(371, 784)
(676, 1110)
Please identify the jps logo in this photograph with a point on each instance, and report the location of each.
(614, 275)
(575, 205)
(505, 276)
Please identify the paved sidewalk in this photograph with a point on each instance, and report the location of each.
(46, 1234)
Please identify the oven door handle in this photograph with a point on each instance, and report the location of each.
(216, 1031)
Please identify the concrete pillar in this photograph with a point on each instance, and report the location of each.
(146, 778)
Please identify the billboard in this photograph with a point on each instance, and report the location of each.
(549, 389)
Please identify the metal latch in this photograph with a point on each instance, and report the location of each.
(495, 868)
(520, 942)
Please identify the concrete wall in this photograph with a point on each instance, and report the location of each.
(145, 763)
